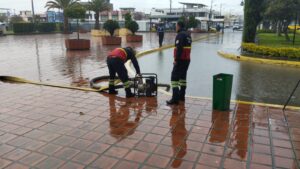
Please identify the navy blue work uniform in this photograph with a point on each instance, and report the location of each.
(161, 34)
(182, 57)
(115, 62)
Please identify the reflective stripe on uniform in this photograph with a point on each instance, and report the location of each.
(175, 84)
(182, 82)
(111, 82)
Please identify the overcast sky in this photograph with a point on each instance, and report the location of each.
(232, 6)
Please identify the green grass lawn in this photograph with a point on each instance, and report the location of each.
(271, 39)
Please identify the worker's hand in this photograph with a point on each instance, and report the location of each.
(175, 62)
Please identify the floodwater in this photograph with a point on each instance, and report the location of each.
(252, 81)
(44, 58)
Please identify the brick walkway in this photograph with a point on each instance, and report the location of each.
(42, 127)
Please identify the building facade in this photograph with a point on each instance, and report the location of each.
(26, 15)
(200, 11)
(55, 17)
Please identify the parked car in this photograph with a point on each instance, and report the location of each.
(236, 27)
(292, 27)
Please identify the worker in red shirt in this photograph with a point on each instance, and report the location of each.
(115, 62)
(182, 52)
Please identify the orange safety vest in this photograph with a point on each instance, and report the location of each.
(186, 53)
(118, 53)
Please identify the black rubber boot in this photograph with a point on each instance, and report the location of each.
(128, 93)
(112, 90)
(175, 97)
(172, 102)
(182, 94)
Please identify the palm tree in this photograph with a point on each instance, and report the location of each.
(62, 4)
(98, 6)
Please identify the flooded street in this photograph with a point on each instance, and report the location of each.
(44, 58)
(252, 81)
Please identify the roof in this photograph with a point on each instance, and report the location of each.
(189, 3)
(128, 8)
(165, 16)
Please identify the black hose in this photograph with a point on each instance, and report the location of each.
(96, 80)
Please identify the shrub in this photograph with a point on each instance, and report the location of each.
(111, 26)
(46, 27)
(132, 26)
(128, 18)
(266, 31)
(283, 52)
(59, 26)
(23, 27)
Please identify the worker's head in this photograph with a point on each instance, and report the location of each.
(180, 25)
(130, 51)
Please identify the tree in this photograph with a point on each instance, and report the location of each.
(16, 19)
(111, 26)
(76, 12)
(128, 18)
(183, 19)
(283, 13)
(132, 26)
(62, 4)
(138, 16)
(192, 22)
(253, 10)
(98, 6)
(3, 18)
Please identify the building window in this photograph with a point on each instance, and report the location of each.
(104, 18)
(115, 17)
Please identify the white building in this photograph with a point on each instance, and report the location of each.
(200, 11)
(26, 15)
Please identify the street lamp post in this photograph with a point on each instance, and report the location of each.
(32, 8)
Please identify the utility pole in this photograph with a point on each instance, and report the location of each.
(32, 7)
(170, 6)
(210, 15)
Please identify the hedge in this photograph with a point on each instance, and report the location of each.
(283, 52)
(271, 31)
(23, 27)
(46, 27)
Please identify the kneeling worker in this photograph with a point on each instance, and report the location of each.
(182, 52)
(115, 62)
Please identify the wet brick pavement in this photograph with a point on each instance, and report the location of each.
(42, 127)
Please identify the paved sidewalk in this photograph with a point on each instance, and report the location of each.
(42, 127)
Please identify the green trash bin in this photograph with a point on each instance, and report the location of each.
(222, 86)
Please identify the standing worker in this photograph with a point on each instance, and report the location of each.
(182, 52)
(161, 33)
(115, 62)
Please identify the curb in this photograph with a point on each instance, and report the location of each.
(259, 60)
